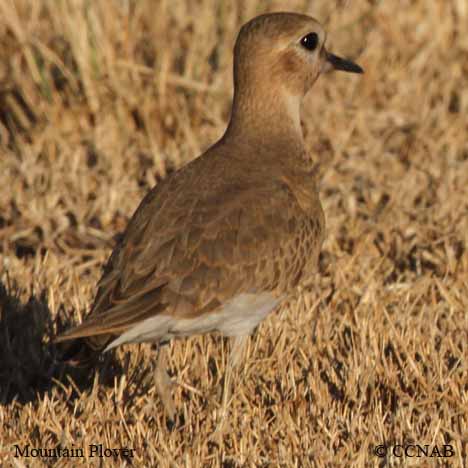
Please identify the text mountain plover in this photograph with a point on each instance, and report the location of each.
(220, 243)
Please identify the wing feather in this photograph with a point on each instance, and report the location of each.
(189, 248)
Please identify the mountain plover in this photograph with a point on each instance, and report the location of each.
(220, 243)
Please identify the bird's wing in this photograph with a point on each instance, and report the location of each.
(187, 250)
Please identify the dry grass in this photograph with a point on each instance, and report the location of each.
(99, 100)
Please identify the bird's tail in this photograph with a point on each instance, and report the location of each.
(82, 352)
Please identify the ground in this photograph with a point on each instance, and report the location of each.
(100, 100)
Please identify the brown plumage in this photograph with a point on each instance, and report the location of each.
(240, 225)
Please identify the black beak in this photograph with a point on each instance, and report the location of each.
(339, 63)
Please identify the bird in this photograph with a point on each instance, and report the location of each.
(222, 242)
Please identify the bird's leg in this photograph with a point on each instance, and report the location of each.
(235, 356)
(163, 383)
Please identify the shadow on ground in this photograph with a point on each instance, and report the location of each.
(30, 364)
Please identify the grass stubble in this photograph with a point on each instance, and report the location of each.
(100, 100)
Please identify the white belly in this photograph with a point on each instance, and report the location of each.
(238, 317)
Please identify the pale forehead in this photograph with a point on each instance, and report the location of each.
(280, 26)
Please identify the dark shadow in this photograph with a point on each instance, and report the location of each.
(30, 363)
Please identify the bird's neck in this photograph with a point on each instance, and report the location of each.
(262, 116)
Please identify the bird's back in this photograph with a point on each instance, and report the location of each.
(221, 226)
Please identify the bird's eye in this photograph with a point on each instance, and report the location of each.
(310, 41)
